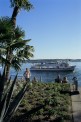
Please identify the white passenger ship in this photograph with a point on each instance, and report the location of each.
(52, 66)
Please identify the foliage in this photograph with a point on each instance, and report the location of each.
(8, 104)
(57, 104)
(24, 4)
(17, 6)
(13, 47)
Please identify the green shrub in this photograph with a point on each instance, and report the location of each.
(9, 104)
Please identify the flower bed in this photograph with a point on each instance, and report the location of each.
(47, 102)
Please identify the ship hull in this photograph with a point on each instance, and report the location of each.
(53, 69)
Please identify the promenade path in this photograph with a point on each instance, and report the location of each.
(76, 105)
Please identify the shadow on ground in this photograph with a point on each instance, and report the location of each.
(70, 92)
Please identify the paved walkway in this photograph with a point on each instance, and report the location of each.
(76, 106)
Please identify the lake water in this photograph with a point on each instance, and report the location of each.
(50, 76)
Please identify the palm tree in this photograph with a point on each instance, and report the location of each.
(18, 5)
(14, 49)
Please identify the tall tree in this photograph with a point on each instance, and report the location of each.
(13, 47)
(17, 6)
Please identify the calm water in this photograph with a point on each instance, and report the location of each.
(50, 76)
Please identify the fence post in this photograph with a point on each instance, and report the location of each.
(40, 78)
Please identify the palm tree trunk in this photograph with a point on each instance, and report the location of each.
(7, 71)
(9, 54)
(14, 15)
(8, 64)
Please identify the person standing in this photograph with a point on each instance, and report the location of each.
(27, 75)
(75, 82)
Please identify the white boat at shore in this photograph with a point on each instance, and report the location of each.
(52, 66)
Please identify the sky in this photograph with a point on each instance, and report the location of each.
(54, 27)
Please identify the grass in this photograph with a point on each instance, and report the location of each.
(45, 102)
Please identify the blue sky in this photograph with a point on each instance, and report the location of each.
(54, 27)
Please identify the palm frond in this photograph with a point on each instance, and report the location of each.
(24, 4)
(13, 47)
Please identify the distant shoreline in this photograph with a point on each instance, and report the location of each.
(51, 60)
